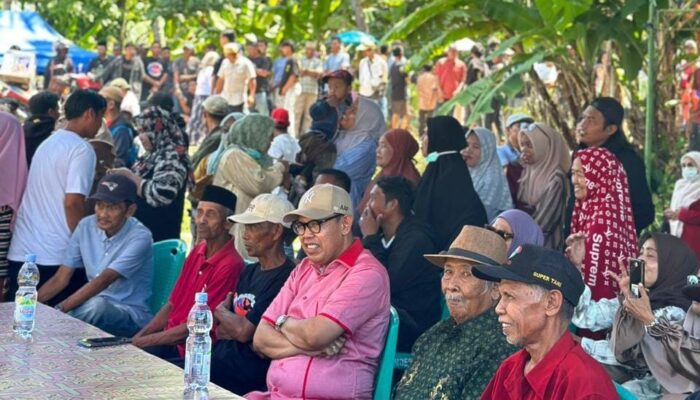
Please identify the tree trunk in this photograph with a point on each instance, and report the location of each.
(359, 15)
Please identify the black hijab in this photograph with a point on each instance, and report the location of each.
(676, 261)
(445, 197)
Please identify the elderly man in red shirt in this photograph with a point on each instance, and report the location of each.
(326, 328)
(539, 290)
(213, 266)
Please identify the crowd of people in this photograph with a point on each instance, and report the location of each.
(310, 220)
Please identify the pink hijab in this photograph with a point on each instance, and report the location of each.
(13, 161)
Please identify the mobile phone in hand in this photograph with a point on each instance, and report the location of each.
(636, 274)
(92, 343)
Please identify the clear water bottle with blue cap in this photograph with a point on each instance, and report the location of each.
(198, 349)
(26, 297)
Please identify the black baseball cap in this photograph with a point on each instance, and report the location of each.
(115, 189)
(692, 289)
(338, 74)
(537, 265)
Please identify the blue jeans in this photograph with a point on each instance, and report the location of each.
(261, 103)
(105, 315)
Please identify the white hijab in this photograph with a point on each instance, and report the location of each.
(684, 194)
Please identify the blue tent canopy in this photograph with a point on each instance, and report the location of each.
(32, 33)
(356, 37)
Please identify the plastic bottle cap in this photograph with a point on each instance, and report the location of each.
(201, 297)
(30, 258)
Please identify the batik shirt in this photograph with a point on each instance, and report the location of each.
(453, 361)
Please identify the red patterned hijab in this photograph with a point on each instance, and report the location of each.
(401, 164)
(605, 216)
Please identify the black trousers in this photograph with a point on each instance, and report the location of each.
(45, 273)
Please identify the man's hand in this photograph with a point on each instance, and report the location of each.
(223, 307)
(335, 348)
(369, 225)
(576, 249)
(251, 101)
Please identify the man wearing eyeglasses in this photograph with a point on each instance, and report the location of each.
(326, 329)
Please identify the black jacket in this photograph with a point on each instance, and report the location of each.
(37, 128)
(640, 195)
(414, 282)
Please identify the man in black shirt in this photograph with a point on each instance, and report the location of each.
(156, 72)
(100, 62)
(44, 110)
(263, 68)
(399, 241)
(234, 364)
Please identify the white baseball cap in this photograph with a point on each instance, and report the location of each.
(264, 208)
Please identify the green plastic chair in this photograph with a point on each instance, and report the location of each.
(385, 372)
(168, 258)
(624, 393)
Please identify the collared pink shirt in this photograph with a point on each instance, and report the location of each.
(353, 292)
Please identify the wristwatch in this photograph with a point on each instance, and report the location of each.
(280, 321)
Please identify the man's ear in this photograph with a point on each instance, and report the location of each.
(131, 210)
(611, 129)
(346, 224)
(391, 205)
(554, 303)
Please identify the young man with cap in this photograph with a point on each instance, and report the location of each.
(235, 366)
(373, 73)
(539, 290)
(59, 181)
(212, 266)
(115, 250)
(237, 74)
(600, 125)
(284, 146)
(399, 241)
(326, 329)
(456, 358)
(122, 131)
(339, 95)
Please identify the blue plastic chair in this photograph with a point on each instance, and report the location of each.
(403, 360)
(385, 372)
(624, 393)
(168, 258)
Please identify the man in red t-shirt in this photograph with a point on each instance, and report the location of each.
(539, 290)
(213, 266)
(452, 73)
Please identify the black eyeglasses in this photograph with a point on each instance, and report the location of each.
(505, 235)
(314, 226)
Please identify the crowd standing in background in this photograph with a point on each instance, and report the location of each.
(323, 190)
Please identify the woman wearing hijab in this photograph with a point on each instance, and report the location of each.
(445, 197)
(394, 156)
(646, 336)
(684, 213)
(161, 174)
(544, 187)
(668, 261)
(517, 228)
(486, 171)
(245, 168)
(13, 179)
(603, 216)
(356, 144)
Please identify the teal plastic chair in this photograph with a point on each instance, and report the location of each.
(385, 372)
(168, 258)
(624, 393)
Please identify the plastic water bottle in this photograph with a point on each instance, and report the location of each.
(26, 297)
(198, 350)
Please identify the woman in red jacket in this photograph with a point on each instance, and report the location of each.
(684, 213)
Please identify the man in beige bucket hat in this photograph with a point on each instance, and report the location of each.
(336, 299)
(234, 364)
(457, 357)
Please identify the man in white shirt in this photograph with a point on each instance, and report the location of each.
(374, 73)
(59, 181)
(310, 71)
(236, 74)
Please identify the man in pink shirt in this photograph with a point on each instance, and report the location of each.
(326, 328)
(452, 73)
